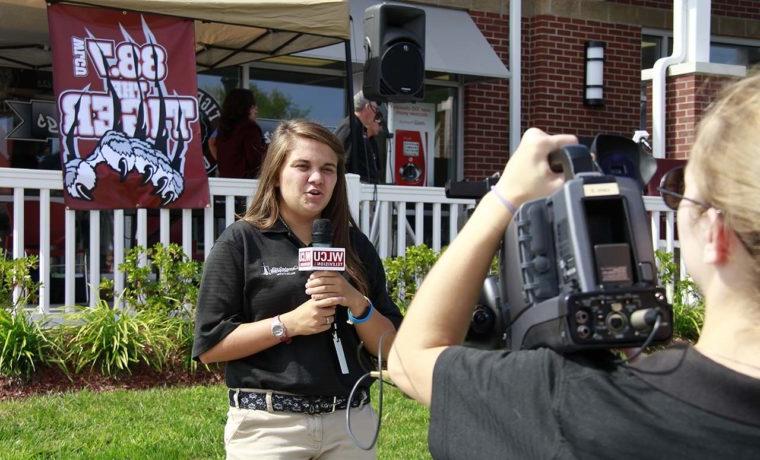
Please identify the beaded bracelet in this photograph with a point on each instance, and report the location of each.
(507, 204)
(364, 317)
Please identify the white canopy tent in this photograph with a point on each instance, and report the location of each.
(227, 32)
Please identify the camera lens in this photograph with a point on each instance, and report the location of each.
(482, 320)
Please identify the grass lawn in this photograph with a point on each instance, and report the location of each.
(164, 423)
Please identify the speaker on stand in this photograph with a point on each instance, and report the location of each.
(394, 42)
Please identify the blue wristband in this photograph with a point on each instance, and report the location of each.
(507, 204)
(363, 318)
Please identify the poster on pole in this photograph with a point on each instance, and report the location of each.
(413, 127)
(126, 96)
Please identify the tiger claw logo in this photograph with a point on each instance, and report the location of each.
(139, 128)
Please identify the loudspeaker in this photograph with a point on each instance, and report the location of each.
(394, 42)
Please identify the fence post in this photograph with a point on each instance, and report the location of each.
(354, 190)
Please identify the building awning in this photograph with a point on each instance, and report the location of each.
(453, 43)
(227, 32)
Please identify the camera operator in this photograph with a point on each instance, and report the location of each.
(699, 401)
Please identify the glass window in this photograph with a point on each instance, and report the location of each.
(444, 162)
(28, 120)
(282, 95)
(651, 50)
(218, 82)
(727, 53)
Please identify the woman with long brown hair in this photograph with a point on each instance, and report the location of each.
(239, 141)
(291, 354)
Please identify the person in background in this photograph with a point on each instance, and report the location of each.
(291, 355)
(362, 159)
(700, 401)
(239, 143)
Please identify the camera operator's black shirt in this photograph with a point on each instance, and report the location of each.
(538, 404)
(252, 274)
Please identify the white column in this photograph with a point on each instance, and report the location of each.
(165, 226)
(44, 303)
(94, 258)
(354, 190)
(70, 259)
(515, 100)
(187, 232)
(118, 255)
(698, 35)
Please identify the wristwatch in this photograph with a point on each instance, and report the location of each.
(279, 330)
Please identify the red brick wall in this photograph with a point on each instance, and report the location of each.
(553, 72)
(486, 107)
(553, 76)
(688, 96)
(552, 80)
(748, 9)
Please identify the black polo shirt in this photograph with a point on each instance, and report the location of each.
(252, 274)
(673, 404)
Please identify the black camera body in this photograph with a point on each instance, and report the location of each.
(577, 268)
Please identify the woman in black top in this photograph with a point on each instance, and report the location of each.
(291, 355)
(700, 401)
(239, 142)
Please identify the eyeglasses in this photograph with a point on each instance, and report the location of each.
(672, 187)
(376, 110)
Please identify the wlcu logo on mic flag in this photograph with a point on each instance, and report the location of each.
(314, 259)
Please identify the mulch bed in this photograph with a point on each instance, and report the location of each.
(49, 381)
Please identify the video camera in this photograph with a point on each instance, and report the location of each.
(577, 268)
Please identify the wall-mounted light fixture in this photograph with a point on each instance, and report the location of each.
(594, 87)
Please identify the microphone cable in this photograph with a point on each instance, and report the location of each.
(379, 375)
(646, 343)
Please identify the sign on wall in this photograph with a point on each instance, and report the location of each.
(413, 127)
(38, 120)
(128, 112)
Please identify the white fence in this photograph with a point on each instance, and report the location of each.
(76, 248)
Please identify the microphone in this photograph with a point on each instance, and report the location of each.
(321, 255)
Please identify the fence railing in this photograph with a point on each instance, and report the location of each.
(77, 249)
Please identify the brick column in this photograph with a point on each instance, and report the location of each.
(689, 92)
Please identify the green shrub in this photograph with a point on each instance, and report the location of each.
(25, 345)
(167, 283)
(16, 273)
(404, 273)
(105, 290)
(688, 303)
(114, 340)
(181, 331)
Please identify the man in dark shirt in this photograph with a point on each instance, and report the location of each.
(362, 159)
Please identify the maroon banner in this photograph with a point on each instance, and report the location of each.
(129, 125)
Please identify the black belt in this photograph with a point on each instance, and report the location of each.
(294, 403)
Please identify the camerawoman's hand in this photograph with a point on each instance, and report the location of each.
(327, 284)
(527, 175)
(311, 317)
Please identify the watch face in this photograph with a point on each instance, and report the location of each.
(278, 330)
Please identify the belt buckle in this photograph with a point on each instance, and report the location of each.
(334, 404)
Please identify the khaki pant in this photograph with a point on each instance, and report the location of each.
(286, 435)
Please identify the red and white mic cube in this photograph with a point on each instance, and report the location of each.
(318, 259)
